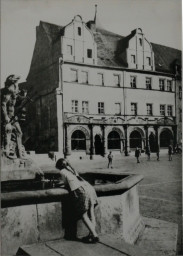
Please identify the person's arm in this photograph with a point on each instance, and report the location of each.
(60, 184)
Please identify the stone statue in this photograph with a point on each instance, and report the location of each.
(11, 109)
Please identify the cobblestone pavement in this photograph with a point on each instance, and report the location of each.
(161, 189)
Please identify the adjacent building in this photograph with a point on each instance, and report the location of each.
(178, 81)
(98, 91)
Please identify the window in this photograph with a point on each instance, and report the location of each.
(84, 77)
(149, 109)
(162, 110)
(140, 41)
(169, 85)
(69, 49)
(85, 109)
(180, 115)
(148, 83)
(79, 31)
(162, 84)
(133, 81)
(74, 106)
(89, 53)
(100, 79)
(134, 109)
(101, 107)
(169, 110)
(133, 59)
(116, 80)
(74, 75)
(148, 61)
(180, 92)
(117, 108)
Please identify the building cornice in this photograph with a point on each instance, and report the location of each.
(119, 87)
(121, 69)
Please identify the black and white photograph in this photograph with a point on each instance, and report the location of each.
(91, 128)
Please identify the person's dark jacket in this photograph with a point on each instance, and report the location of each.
(137, 153)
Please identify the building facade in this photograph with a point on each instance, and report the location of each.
(97, 91)
(178, 82)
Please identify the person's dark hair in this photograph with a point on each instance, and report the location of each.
(60, 163)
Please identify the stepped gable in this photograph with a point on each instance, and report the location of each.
(111, 45)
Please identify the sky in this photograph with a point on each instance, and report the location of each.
(160, 21)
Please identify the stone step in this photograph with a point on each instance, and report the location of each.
(74, 248)
(159, 238)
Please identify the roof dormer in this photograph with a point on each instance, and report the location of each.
(78, 43)
(139, 53)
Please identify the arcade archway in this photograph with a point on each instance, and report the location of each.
(98, 145)
(78, 140)
(152, 143)
(113, 140)
(135, 139)
(166, 138)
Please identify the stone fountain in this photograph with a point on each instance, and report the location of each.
(35, 210)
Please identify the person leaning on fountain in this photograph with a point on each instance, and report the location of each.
(11, 130)
(83, 198)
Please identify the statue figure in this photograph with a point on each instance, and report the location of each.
(12, 99)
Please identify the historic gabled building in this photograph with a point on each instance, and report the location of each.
(98, 91)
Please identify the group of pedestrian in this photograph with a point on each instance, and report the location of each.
(148, 152)
(138, 153)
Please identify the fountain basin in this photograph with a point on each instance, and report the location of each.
(32, 216)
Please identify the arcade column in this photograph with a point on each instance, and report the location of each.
(156, 128)
(91, 141)
(104, 140)
(125, 126)
(67, 142)
(147, 137)
(122, 148)
(174, 128)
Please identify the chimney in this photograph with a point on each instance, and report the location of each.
(95, 18)
(92, 23)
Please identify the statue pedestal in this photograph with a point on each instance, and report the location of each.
(18, 169)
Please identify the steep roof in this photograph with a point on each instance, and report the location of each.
(52, 31)
(109, 45)
(165, 57)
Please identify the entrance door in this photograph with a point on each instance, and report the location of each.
(98, 145)
(135, 139)
(152, 142)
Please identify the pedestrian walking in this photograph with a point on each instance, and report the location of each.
(110, 158)
(83, 198)
(148, 152)
(178, 149)
(170, 152)
(137, 154)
